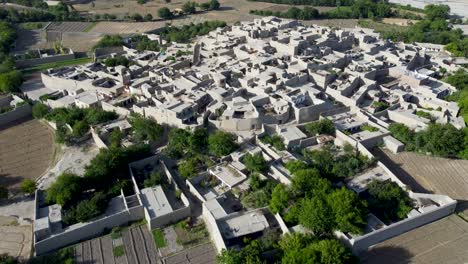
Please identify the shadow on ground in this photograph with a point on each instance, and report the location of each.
(386, 255)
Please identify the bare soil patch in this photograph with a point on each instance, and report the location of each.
(443, 241)
(26, 151)
(15, 240)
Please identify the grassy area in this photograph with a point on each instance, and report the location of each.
(118, 251)
(59, 64)
(381, 27)
(159, 239)
(90, 26)
(116, 232)
(32, 25)
(189, 236)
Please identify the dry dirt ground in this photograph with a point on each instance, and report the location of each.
(443, 241)
(73, 159)
(26, 151)
(16, 240)
(231, 10)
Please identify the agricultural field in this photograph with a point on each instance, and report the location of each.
(69, 26)
(231, 10)
(443, 241)
(429, 174)
(202, 254)
(132, 245)
(26, 153)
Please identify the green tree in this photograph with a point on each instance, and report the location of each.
(188, 168)
(332, 251)
(214, 5)
(156, 178)
(39, 110)
(145, 128)
(434, 12)
(87, 209)
(115, 138)
(229, 256)
(280, 198)
(316, 215)
(177, 143)
(309, 182)
(80, 128)
(10, 81)
(165, 13)
(137, 17)
(295, 165)
(198, 140)
(324, 126)
(66, 189)
(189, 7)
(388, 200)
(221, 143)
(255, 163)
(148, 17)
(349, 210)
(28, 186)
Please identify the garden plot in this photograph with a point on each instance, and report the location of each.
(180, 236)
(129, 245)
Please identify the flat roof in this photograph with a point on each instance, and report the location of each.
(155, 200)
(228, 175)
(244, 224)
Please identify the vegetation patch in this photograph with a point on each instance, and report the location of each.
(188, 235)
(275, 140)
(159, 238)
(59, 64)
(118, 251)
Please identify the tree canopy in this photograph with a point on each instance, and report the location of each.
(255, 163)
(388, 200)
(221, 143)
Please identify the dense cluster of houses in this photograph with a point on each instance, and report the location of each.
(269, 77)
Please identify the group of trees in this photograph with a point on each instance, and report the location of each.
(442, 140)
(349, 9)
(291, 248)
(187, 32)
(336, 167)
(310, 2)
(10, 79)
(145, 129)
(79, 119)
(59, 12)
(117, 60)
(275, 140)
(189, 8)
(196, 147)
(105, 175)
(459, 80)
(324, 126)
(388, 201)
(142, 42)
(307, 13)
(109, 41)
(313, 202)
(433, 28)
